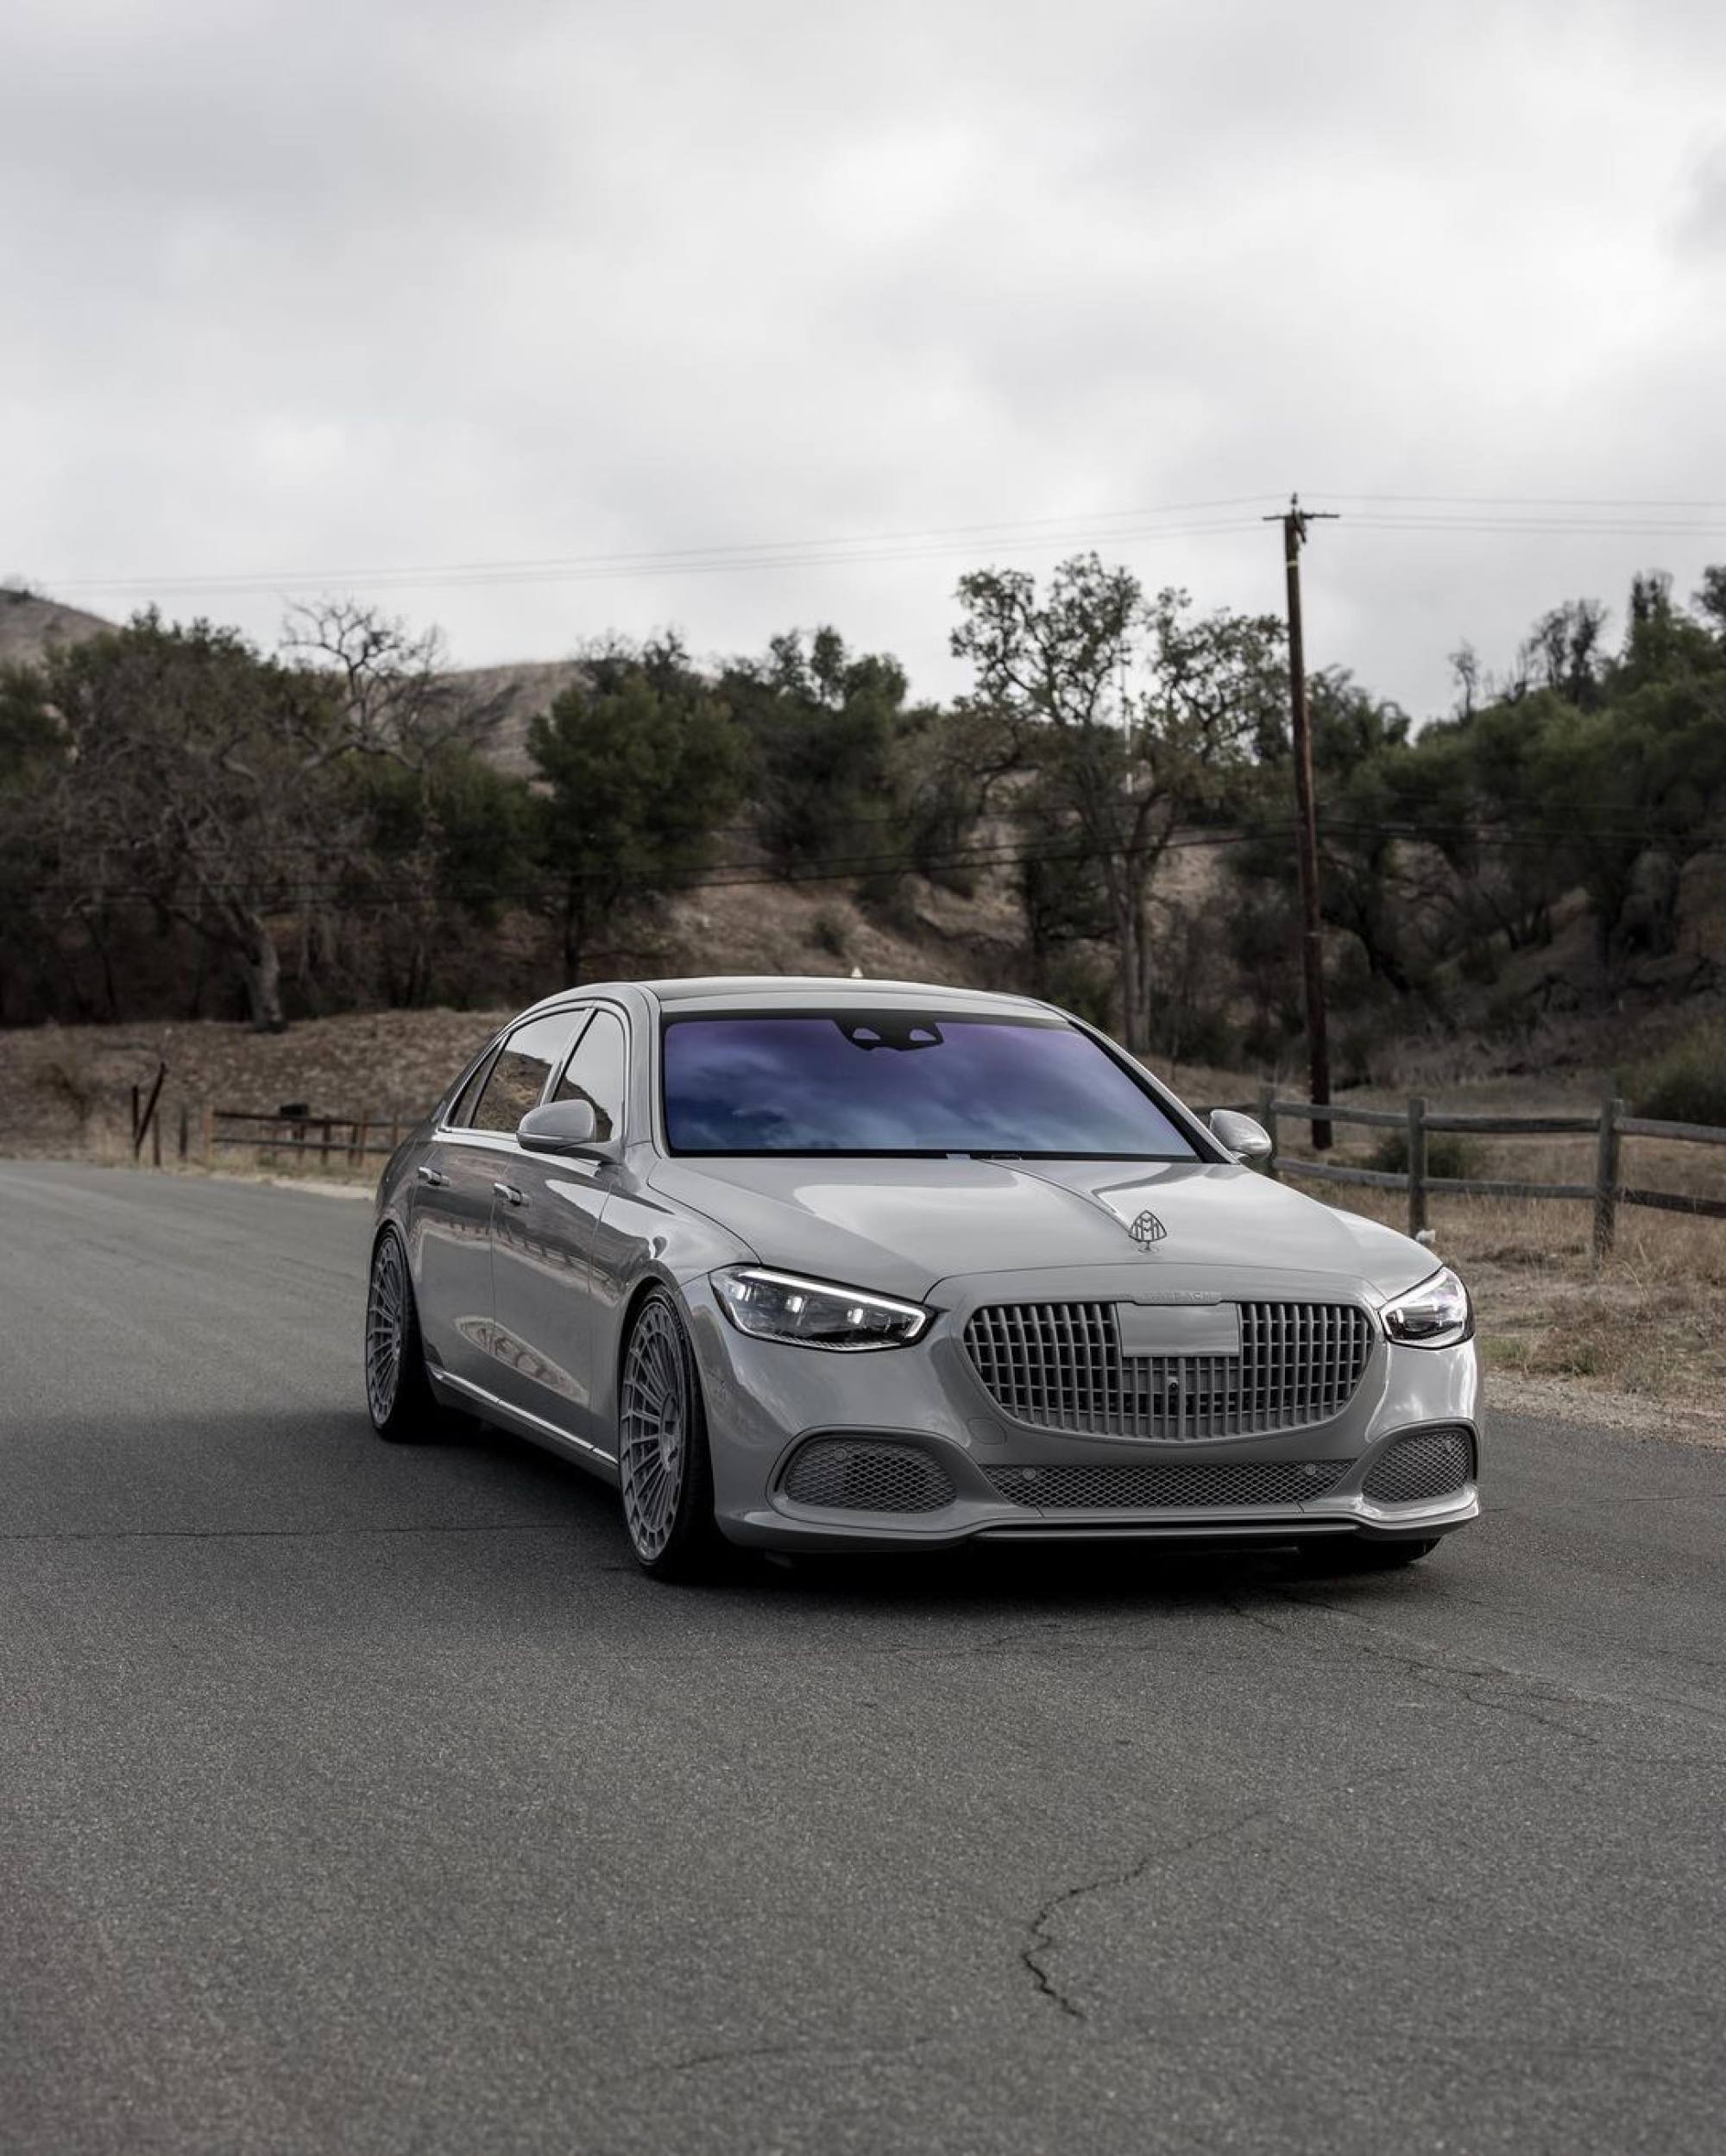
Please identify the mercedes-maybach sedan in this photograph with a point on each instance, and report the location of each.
(845, 1265)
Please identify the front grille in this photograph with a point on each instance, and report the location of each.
(1059, 1366)
(1426, 1464)
(868, 1477)
(1168, 1482)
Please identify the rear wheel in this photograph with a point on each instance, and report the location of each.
(664, 1471)
(398, 1392)
(1340, 1556)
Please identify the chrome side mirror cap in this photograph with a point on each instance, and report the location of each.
(1242, 1135)
(561, 1126)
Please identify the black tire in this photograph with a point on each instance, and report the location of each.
(665, 1469)
(399, 1396)
(1342, 1557)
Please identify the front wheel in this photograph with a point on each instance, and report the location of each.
(664, 1471)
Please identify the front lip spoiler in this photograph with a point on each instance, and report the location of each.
(808, 1529)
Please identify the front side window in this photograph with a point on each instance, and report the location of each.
(902, 1082)
(597, 1074)
(518, 1076)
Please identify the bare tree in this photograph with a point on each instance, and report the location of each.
(1134, 717)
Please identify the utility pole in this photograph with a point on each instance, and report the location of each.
(1294, 521)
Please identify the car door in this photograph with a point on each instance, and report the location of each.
(456, 1199)
(450, 1234)
(542, 1240)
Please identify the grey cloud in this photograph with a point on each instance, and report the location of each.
(326, 288)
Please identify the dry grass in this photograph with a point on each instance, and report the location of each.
(1643, 1330)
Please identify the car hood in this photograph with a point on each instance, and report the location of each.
(900, 1226)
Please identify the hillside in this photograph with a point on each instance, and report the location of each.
(523, 691)
(30, 623)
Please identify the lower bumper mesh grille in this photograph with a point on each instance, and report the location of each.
(1426, 1464)
(1168, 1482)
(861, 1477)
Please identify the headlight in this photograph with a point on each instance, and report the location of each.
(815, 1312)
(1436, 1313)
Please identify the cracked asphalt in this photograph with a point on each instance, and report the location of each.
(366, 1800)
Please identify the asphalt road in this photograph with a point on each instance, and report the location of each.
(369, 1800)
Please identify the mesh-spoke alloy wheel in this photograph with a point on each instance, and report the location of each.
(655, 1429)
(387, 1328)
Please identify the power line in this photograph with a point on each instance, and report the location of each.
(1530, 516)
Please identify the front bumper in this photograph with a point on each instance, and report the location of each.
(766, 1401)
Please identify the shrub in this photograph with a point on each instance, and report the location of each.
(827, 933)
(1687, 1083)
(1447, 1154)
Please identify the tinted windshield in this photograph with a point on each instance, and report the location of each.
(899, 1081)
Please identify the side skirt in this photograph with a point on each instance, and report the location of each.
(462, 1392)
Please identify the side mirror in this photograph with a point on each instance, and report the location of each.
(561, 1126)
(1241, 1135)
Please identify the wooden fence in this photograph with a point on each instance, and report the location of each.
(331, 1138)
(1609, 1128)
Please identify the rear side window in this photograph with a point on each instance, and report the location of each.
(597, 1074)
(462, 1108)
(518, 1077)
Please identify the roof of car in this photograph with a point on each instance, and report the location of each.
(735, 991)
(743, 992)
(805, 987)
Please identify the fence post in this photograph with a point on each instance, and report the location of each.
(209, 1133)
(1606, 1178)
(145, 1121)
(323, 1156)
(184, 1130)
(1417, 1162)
(362, 1130)
(1267, 1115)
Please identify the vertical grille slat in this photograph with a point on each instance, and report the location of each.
(1060, 1367)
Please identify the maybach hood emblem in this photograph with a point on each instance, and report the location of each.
(1147, 1230)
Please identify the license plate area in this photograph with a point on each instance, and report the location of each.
(1178, 1329)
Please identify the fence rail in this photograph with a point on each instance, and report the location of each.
(333, 1138)
(1609, 1127)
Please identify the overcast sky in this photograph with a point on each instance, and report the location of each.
(307, 291)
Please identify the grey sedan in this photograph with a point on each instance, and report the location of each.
(850, 1265)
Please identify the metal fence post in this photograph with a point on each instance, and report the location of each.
(1417, 1163)
(1606, 1178)
(1267, 1116)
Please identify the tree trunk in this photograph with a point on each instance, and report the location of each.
(574, 923)
(1130, 887)
(1129, 910)
(261, 968)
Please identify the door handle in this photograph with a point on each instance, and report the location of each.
(432, 1175)
(509, 1194)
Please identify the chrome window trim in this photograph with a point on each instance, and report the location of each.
(443, 1130)
(505, 1141)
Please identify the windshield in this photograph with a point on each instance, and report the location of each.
(903, 1082)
